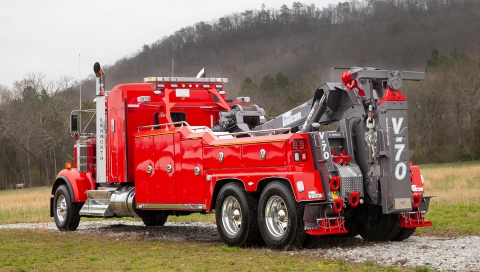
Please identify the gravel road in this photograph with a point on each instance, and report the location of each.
(439, 253)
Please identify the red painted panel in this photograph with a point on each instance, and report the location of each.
(231, 157)
(275, 154)
(164, 156)
(116, 158)
(136, 116)
(416, 179)
(144, 182)
(191, 189)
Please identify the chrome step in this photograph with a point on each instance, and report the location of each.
(98, 203)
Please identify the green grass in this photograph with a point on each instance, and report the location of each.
(450, 164)
(453, 220)
(41, 250)
(456, 209)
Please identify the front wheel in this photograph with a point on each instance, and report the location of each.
(66, 212)
(235, 214)
(280, 217)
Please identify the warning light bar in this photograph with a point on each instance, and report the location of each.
(185, 79)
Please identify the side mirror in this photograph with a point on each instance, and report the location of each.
(73, 123)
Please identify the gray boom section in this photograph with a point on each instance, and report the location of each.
(316, 112)
(293, 118)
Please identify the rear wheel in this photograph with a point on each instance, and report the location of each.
(154, 218)
(235, 214)
(66, 212)
(280, 217)
(376, 226)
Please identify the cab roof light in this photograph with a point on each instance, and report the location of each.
(219, 86)
(206, 85)
(185, 79)
(174, 85)
(150, 79)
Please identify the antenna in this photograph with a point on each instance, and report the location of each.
(80, 84)
(173, 64)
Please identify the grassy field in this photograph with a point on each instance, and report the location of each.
(456, 208)
(40, 250)
(25, 205)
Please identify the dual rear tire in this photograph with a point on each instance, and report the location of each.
(235, 213)
(381, 227)
(276, 216)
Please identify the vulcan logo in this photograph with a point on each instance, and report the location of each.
(289, 118)
(314, 194)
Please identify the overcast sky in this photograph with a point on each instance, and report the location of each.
(47, 36)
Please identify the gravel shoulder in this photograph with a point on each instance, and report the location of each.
(439, 253)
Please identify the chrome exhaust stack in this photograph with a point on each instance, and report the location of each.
(101, 131)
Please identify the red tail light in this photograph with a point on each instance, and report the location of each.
(298, 144)
(295, 144)
(304, 156)
(301, 144)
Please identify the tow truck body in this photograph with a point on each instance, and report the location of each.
(173, 146)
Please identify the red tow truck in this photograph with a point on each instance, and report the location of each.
(173, 146)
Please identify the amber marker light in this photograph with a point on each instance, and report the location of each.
(68, 165)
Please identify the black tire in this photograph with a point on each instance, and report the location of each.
(65, 212)
(404, 234)
(379, 227)
(235, 215)
(154, 218)
(280, 217)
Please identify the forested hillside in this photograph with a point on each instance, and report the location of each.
(278, 55)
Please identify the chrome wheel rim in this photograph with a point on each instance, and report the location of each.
(231, 216)
(276, 216)
(61, 208)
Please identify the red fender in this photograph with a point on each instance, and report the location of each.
(77, 182)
